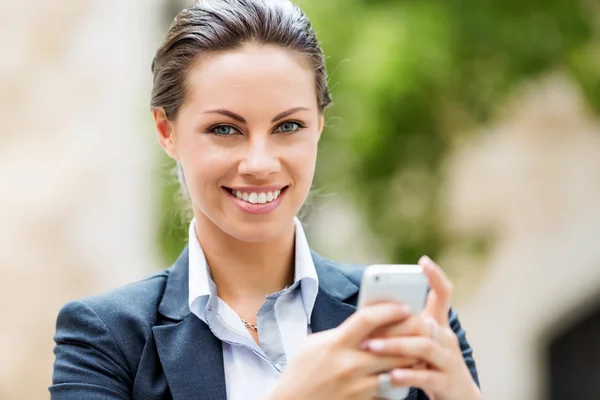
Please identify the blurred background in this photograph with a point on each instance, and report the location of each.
(467, 130)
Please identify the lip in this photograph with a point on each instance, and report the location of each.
(257, 208)
(256, 189)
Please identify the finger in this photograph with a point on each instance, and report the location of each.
(365, 388)
(362, 388)
(428, 380)
(366, 320)
(368, 363)
(438, 299)
(370, 385)
(433, 327)
(420, 347)
(420, 365)
(414, 325)
(370, 388)
(447, 338)
(386, 363)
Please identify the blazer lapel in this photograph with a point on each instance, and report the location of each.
(334, 300)
(185, 343)
(190, 346)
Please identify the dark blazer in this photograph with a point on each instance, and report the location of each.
(142, 342)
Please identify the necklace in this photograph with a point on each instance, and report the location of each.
(249, 325)
(254, 327)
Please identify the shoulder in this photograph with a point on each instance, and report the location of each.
(139, 299)
(354, 272)
(108, 330)
(134, 306)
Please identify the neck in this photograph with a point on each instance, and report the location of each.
(244, 271)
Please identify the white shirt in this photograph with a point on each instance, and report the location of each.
(251, 371)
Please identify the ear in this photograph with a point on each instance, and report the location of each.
(165, 132)
(321, 124)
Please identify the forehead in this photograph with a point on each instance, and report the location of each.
(251, 75)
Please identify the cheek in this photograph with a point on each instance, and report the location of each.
(203, 165)
(302, 160)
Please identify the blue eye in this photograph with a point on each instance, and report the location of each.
(223, 130)
(289, 127)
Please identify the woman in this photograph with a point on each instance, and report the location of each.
(247, 311)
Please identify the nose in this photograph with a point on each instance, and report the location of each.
(259, 160)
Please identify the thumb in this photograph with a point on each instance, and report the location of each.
(438, 300)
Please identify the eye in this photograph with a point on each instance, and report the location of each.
(223, 130)
(289, 127)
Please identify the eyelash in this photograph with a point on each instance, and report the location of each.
(212, 129)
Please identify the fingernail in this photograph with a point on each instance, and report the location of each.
(405, 310)
(376, 345)
(398, 374)
(364, 344)
(426, 261)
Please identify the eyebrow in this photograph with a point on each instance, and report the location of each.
(241, 119)
(228, 114)
(288, 112)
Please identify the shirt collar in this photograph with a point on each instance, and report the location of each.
(305, 271)
(201, 285)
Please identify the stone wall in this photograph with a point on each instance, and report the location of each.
(76, 155)
(533, 182)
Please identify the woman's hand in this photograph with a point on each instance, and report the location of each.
(331, 364)
(441, 373)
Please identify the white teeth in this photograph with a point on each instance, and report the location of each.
(253, 198)
(257, 198)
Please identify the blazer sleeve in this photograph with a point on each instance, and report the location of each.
(88, 362)
(465, 347)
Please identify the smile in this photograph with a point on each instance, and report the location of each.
(256, 197)
(256, 201)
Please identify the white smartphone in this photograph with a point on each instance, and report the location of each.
(407, 284)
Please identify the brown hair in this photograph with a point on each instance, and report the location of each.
(217, 25)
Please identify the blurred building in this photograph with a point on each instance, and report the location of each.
(533, 182)
(76, 155)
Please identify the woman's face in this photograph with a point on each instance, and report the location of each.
(246, 137)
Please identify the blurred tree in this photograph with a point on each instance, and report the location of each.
(410, 77)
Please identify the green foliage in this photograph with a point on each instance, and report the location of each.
(410, 76)
(173, 230)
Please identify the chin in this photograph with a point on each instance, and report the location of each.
(258, 231)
